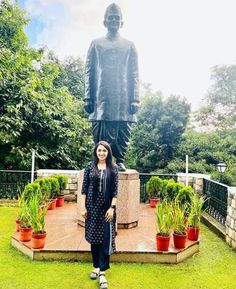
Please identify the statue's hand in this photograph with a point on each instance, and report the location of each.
(134, 106)
(89, 107)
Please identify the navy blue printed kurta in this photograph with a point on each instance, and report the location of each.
(95, 187)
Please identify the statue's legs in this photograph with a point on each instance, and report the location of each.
(116, 133)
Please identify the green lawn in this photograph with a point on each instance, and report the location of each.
(213, 267)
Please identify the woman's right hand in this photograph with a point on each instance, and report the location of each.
(84, 213)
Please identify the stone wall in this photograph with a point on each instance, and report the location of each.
(231, 218)
(194, 180)
(72, 187)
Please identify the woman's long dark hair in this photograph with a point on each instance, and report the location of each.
(109, 161)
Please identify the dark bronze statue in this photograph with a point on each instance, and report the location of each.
(112, 86)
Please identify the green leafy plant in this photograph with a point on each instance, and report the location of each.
(23, 216)
(164, 218)
(194, 217)
(172, 189)
(30, 191)
(37, 215)
(154, 186)
(45, 186)
(63, 180)
(55, 187)
(184, 196)
(179, 220)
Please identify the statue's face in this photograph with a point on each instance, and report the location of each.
(113, 21)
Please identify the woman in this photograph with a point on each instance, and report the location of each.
(99, 195)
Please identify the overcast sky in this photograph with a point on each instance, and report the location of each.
(178, 41)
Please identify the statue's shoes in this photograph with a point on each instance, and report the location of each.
(121, 167)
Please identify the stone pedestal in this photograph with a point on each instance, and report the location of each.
(127, 201)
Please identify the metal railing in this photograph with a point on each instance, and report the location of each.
(12, 183)
(216, 195)
(144, 179)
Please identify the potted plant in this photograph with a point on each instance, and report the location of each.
(194, 218)
(55, 189)
(25, 228)
(63, 180)
(29, 192)
(37, 213)
(179, 224)
(154, 186)
(164, 222)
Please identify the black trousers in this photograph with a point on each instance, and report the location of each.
(116, 133)
(100, 260)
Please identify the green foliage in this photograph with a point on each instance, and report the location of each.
(23, 215)
(185, 196)
(37, 213)
(154, 187)
(45, 186)
(30, 191)
(55, 187)
(36, 113)
(194, 217)
(158, 132)
(63, 180)
(172, 189)
(206, 150)
(179, 222)
(164, 218)
(220, 110)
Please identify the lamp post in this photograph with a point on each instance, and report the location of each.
(221, 167)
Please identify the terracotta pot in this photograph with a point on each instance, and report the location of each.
(52, 204)
(38, 240)
(154, 202)
(17, 225)
(180, 240)
(25, 234)
(162, 242)
(193, 233)
(60, 201)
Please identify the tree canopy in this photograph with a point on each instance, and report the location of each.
(36, 113)
(158, 132)
(220, 108)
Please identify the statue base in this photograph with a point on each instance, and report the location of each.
(128, 199)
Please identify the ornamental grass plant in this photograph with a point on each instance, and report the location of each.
(179, 220)
(37, 213)
(194, 218)
(164, 218)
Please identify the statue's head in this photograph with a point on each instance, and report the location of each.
(113, 18)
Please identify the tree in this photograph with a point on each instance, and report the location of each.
(220, 108)
(205, 151)
(158, 132)
(34, 113)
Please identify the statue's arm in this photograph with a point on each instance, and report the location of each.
(133, 80)
(90, 79)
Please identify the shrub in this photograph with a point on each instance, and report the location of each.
(45, 186)
(63, 180)
(55, 187)
(30, 191)
(154, 186)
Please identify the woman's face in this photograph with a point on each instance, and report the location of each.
(102, 152)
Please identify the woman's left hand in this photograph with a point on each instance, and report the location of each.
(109, 215)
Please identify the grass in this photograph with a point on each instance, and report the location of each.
(212, 268)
